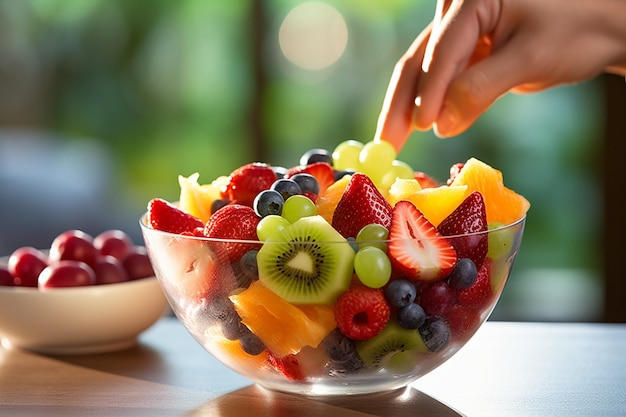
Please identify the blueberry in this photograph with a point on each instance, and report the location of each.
(268, 202)
(279, 171)
(250, 343)
(400, 292)
(248, 264)
(218, 204)
(307, 182)
(316, 155)
(463, 275)
(411, 316)
(286, 187)
(342, 353)
(435, 333)
(352, 242)
(351, 365)
(223, 311)
(340, 174)
(337, 346)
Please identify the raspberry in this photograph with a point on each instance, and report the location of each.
(361, 313)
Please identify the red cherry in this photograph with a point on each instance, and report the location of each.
(6, 279)
(25, 265)
(66, 273)
(73, 245)
(114, 243)
(137, 264)
(109, 270)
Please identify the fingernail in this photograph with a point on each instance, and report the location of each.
(446, 123)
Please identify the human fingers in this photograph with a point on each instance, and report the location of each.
(395, 119)
(462, 38)
(476, 88)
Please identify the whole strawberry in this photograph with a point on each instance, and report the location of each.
(166, 217)
(470, 217)
(233, 222)
(247, 181)
(361, 204)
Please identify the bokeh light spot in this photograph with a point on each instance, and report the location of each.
(313, 36)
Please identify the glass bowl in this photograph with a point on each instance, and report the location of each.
(299, 348)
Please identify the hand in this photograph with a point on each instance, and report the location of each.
(474, 51)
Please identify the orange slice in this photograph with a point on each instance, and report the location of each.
(435, 203)
(283, 327)
(503, 204)
(328, 199)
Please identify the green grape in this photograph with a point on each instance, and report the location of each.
(399, 169)
(500, 242)
(372, 266)
(376, 159)
(270, 226)
(298, 206)
(373, 235)
(346, 156)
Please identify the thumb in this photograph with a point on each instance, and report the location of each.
(475, 89)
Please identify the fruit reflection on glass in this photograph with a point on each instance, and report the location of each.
(348, 273)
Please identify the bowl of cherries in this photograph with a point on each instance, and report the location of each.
(81, 295)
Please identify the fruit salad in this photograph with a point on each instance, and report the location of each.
(349, 268)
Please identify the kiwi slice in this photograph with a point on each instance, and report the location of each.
(307, 262)
(391, 346)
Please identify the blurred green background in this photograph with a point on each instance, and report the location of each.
(104, 103)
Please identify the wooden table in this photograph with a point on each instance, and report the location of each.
(508, 369)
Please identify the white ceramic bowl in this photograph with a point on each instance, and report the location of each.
(79, 320)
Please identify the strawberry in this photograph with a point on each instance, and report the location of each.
(247, 181)
(469, 217)
(462, 319)
(166, 217)
(425, 180)
(360, 204)
(454, 171)
(362, 312)
(234, 221)
(416, 249)
(288, 365)
(322, 171)
(480, 293)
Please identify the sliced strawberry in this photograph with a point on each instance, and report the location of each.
(469, 217)
(247, 181)
(360, 204)
(288, 365)
(233, 222)
(322, 171)
(416, 249)
(480, 293)
(166, 217)
(425, 180)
